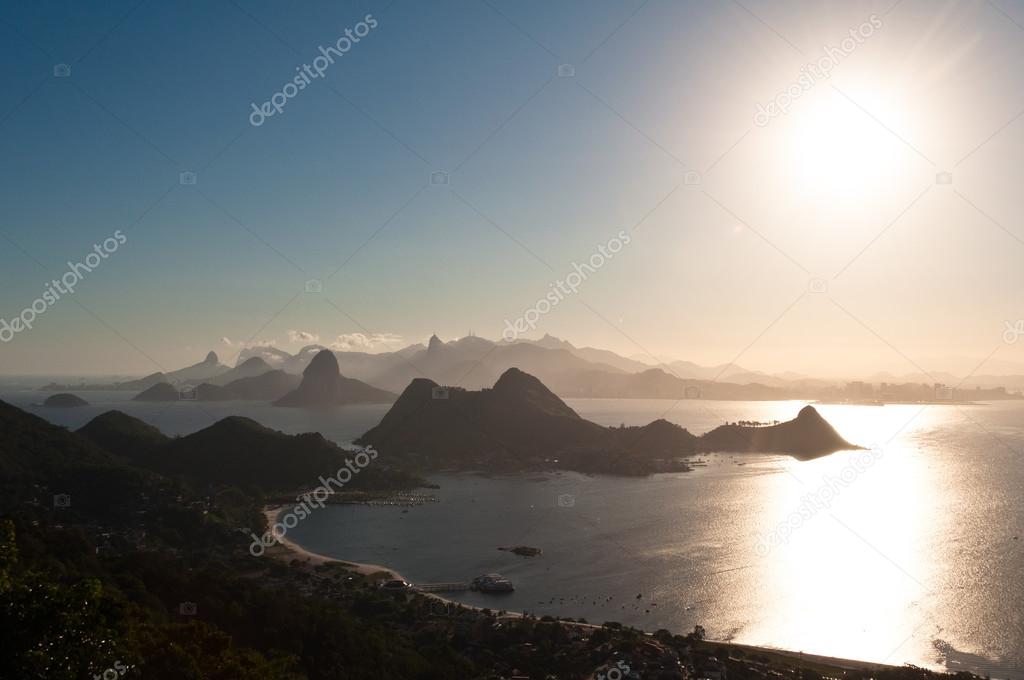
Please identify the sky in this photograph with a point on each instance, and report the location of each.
(791, 201)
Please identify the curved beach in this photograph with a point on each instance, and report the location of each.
(295, 551)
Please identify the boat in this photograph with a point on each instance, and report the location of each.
(492, 583)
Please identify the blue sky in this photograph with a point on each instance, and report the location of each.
(542, 170)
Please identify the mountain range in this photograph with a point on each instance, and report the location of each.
(234, 451)
(473, 362)
(520, 423)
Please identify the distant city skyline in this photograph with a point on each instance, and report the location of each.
(827, 190)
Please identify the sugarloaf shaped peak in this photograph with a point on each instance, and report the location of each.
(435, 343)
(211, 358)
(324, 385)
(323, 364)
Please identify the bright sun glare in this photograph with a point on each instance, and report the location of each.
(839, 152)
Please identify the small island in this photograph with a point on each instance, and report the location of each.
(524, 550)
(65, 400)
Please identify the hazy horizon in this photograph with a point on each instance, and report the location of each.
(824, 241)
(232, 356)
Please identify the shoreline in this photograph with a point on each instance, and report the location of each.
(313, 560)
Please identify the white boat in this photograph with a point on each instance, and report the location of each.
(493, 583)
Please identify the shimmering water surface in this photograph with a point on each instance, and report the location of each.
(912, 553)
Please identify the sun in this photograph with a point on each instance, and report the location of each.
(840, 149)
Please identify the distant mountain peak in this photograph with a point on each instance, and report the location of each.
(514, 379)
(324, 385)
(551, 342)
(211, 358)
(323, 364)
(435, 343)
(517, 422)
(520, 387)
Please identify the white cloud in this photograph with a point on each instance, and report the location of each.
(362, 342)
(239, 344)
(303, 336)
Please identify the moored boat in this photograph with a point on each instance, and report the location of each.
(492, 583)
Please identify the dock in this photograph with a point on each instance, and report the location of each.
(440, 587)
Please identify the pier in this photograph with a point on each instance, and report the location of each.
(440, 587)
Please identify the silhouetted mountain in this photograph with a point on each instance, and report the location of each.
(279, 359)
(123, 435)
(240, 452)
(266, 387)
(247, 369)
(194, 374)
(107, 463)
(140, 384)
(608, 358)
(435, 344)
(31, 447)
(235, 451)
(807, 435)
(323, 385)
(549, 341)
(65, 400)
(517, 423)
(271, 355)
(204, 370)
(521, 423)
(591, 354)
(160, 392)
(41, 464)
(474, 362)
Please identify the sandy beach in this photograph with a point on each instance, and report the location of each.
(295, 551)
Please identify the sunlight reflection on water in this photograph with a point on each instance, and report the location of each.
(918, 558)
